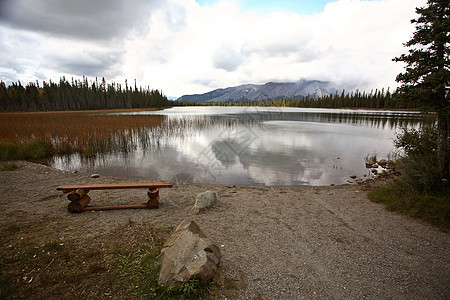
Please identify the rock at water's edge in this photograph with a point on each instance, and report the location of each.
(383, 163)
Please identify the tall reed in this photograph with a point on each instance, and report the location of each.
(67, 133)
(43, 134)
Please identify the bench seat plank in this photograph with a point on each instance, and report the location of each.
(115, 186)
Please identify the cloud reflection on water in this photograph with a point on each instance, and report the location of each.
(255, 146)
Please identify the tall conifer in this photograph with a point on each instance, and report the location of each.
(427, 74)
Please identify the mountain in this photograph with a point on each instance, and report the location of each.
(270, 90)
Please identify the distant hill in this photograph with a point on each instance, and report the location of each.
(270, 90)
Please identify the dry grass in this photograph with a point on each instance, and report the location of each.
(35, 263)
(120, 264)
(86, 133)
(34, 136)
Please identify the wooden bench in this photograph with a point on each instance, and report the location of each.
(79, 199)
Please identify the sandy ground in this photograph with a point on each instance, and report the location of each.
(276, 242)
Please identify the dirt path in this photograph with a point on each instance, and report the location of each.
(276, 242)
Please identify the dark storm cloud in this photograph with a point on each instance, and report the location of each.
(89, 63)
(82, 19)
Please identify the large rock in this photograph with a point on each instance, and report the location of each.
(187, 253)
(203, 201)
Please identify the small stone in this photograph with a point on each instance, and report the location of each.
(204, 201)
(374, 171)
(382, 163)
(353, 176)
(95, 175)
(332, 184)
(375, 166)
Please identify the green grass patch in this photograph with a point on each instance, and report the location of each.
(433, 208)
(9, 166)
(32, 150)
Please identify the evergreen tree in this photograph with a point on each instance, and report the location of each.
(76, 95)
(427, 75)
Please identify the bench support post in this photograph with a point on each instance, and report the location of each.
(153, 195)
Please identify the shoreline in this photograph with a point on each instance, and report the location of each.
(309, 242)
(94, 111)
(162, 108)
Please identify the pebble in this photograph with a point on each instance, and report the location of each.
(95, 175)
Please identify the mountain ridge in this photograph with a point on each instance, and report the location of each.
(269, 90)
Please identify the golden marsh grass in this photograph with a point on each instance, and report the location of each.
(87, 133)
(42, 134)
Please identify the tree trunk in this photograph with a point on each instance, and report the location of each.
(442, 145)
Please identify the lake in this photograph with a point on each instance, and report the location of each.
(251, 146)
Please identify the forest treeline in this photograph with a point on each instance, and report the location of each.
(378, 99)
(77, 95)
(89, 95)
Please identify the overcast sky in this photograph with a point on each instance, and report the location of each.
(187, 46)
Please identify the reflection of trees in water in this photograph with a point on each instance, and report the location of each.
(392, 120)
(296, 166)
(150, 134)
(181, 128)
(377, 120)
(128, 134)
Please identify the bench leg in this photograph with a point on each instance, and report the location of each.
(77, 195)
(153, 195)
(78, 206)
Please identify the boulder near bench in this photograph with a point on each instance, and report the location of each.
(79, 199)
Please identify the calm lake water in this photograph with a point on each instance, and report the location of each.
(252, 146)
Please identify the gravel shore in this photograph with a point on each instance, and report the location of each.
(276, 242)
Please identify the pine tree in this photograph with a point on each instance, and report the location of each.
(427, 76)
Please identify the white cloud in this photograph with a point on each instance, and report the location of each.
(226, 58)
(183, 48)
